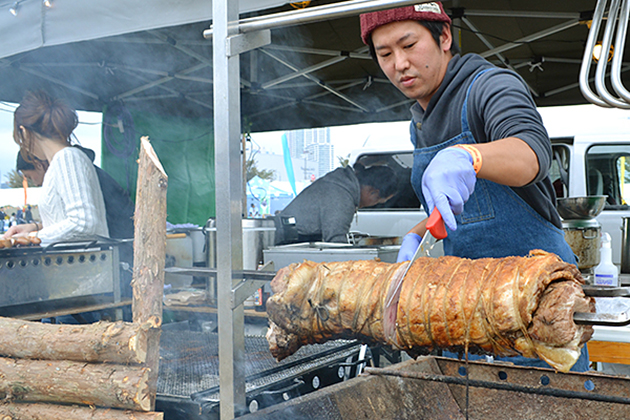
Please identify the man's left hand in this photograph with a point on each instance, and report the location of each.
(448, 182)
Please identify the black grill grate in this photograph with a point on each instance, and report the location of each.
(189, 363)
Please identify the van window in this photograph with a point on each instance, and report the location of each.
(623, 168)
(608, 173)
(559, 171)
(401, 163)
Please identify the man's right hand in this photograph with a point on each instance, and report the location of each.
(410, 243)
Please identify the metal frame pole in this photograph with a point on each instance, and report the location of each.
(227, 131)
(313, 14)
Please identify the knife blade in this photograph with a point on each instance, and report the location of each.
(427, 243)
(435, 230)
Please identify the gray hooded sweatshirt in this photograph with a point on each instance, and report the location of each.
(499, 106)
(326, 207)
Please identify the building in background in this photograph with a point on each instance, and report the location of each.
(275, 162)
(311, 156)
(312, 146)
(296, 142)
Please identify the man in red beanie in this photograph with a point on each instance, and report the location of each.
(482, 154)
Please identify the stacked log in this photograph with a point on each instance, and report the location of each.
(95, 365)
(101, 342)
(104, 370)
(39, 411)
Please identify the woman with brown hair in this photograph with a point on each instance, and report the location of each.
(71, 205)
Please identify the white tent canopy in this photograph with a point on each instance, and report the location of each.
(34, 25)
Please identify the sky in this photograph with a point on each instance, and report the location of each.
(559, 121)
(347, 139)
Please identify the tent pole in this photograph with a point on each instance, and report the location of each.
(227, 131)
(313, 14)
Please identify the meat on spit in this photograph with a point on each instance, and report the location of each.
(502, 306)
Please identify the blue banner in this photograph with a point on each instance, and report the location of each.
(288, 163)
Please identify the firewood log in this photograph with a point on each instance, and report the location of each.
(149, 235)
(103, 385)
(150, 252)
(504, 306)
(117, 342)
(39, 411)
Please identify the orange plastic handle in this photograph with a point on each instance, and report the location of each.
(435, 224)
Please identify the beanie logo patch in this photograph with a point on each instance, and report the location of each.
(428, 7)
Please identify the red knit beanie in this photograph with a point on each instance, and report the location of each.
(433, 11)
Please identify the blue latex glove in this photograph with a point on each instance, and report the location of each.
(410, 243)
(448, 182)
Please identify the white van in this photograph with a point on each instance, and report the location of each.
(583, 165)
(596, 164)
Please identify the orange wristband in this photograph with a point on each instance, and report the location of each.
(475, 153)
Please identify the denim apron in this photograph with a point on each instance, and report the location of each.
(495, 223)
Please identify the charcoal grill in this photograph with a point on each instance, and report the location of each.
(188, 381)
(441, 388)
(36, 280)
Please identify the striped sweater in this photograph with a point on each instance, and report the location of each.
(71, 205)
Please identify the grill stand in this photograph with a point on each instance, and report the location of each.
(188, 381)
(434, 387)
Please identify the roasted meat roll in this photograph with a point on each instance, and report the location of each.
(502, 306)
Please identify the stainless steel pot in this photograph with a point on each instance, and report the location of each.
(584, 237)
(258, 234)
(581, 208)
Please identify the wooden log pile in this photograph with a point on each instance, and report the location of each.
(39, 411)
(89, 371)
(106, 370)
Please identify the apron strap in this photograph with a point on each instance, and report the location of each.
(464, 117)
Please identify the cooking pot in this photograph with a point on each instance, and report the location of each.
(586, 207)
(583, 236)
(258, 234)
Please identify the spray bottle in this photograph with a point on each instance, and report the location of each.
(606, 273)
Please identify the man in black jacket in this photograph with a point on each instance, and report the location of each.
(323, 211)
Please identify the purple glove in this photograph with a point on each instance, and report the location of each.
(410, 243)
(448, 182)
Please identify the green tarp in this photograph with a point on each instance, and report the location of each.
(185, 148)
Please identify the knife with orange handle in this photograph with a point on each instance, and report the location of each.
(435, 231)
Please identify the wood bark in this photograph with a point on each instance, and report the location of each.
(150, 253)
(39, 411)
(103, 385)
(111, 342)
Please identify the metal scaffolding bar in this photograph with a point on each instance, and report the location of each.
(530, 38)
(227, 129)
(313, 14)
(488, 44)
